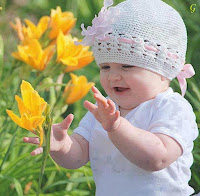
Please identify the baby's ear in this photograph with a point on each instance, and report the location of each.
(166, 80)
(163, 78)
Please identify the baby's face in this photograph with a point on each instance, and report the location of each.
(129, 86)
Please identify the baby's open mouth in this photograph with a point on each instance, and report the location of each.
(120, 89)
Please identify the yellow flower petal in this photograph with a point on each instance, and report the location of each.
(63, 21)
(32, 123)
(81, 63)
(31, 108)
(69, 61)
(31, 26)
(37, 121)
(18, 28)
(38, 105)
(26, 90)
(75, 57)
(78, 89)
(35, 49)
(35, 31)
(33, 54)
(15, 118)
(87, 88)
(43, 24)
(26, 122)
(23, 53)
(35, 63)
(21, 106)
(41, 108)
(17, 56)
(41, 135)
(60, 45)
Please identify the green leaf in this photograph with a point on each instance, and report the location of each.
(76, 180)
(17, 184)
(196, 90)
(12, 165)
(8, 151)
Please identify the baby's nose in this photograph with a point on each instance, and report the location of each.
(114, 76)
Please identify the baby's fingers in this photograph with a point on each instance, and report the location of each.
(67, 121)
(32, 140)
(111, 108)
(90, 106)
(117, 114)
(37, 151)
(101, 101)
(95, 90)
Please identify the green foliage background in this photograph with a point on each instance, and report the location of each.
(18, 167)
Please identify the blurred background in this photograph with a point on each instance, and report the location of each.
(20, 172)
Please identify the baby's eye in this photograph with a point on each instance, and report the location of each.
(127, 66)
(105, 67)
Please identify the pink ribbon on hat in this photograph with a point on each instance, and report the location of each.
(186, 72)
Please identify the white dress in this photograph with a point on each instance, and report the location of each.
(168, 113)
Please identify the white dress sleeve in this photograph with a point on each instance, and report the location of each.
(86, 126)
(175, 118)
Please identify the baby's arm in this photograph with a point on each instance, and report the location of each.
(70, 152)
(74, 154)
(151, 152)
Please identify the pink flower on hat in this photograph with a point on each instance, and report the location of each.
(101, 24)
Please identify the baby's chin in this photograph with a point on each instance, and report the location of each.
(126, 106)
(124, 109)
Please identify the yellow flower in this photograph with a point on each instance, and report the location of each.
(31, 107)
(30, 30)
(33, 54)
(19, 28)
(63, 21)
(76, 88)
(33, 31)
(75, 57)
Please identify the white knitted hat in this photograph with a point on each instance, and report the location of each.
(144, 33)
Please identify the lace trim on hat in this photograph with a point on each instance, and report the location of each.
(128, 44)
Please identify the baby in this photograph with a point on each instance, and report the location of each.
(139, 139)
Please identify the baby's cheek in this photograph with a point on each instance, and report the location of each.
(103, 81)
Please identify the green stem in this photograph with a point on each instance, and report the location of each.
(46, 150)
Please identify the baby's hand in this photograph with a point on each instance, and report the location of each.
(58, 138)
(105, 112)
